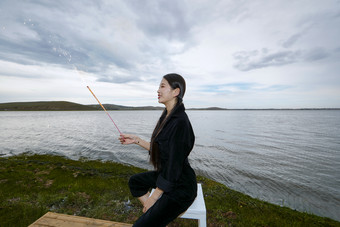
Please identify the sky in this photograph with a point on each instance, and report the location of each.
(232, 53)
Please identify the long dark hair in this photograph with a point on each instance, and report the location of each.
(175, 81)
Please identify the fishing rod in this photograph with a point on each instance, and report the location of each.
(68, 57)
(104, 110)
(88, 87)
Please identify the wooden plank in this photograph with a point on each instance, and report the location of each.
(62, 220)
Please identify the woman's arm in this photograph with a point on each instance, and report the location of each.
(133, 139)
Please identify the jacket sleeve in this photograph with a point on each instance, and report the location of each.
(179, 147)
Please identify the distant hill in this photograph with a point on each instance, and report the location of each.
(118, 107)
(209, 108)
(43, 106)
(64, 106)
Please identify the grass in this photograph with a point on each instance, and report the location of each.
(31, 185)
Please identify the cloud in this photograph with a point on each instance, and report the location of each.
(115, 74)
(68, 34)
(256, 59)
(163, 19)
(241, 87)
(292, 40)
(124, 35)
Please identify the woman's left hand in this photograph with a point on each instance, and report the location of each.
(149, 203)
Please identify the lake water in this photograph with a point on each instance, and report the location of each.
(286, 157)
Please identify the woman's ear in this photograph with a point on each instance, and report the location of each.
(176, 92)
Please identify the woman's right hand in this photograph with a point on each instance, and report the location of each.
(128, 139)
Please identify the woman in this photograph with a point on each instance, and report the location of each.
(173, 178)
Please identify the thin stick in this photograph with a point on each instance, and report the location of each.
(104, 109)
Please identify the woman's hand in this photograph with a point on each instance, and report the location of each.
(151, 200)
(133, 139)
(128, 139)
(149, 203)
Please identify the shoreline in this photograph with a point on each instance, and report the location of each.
(36, 184)
(71, 106)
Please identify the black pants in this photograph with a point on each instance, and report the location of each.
(164, 210)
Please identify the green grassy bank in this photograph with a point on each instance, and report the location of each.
(31, 185)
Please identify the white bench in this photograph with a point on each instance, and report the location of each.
(197, 209)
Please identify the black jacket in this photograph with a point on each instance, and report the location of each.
(175, 142)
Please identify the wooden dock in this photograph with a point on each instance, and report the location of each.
(51, 219)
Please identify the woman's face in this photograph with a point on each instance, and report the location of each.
(165, 92)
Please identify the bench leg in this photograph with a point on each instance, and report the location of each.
(202, 222)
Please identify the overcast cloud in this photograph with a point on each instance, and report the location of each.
(233, 54)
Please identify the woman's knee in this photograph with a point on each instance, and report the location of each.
(134, 181)
(140, 183)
